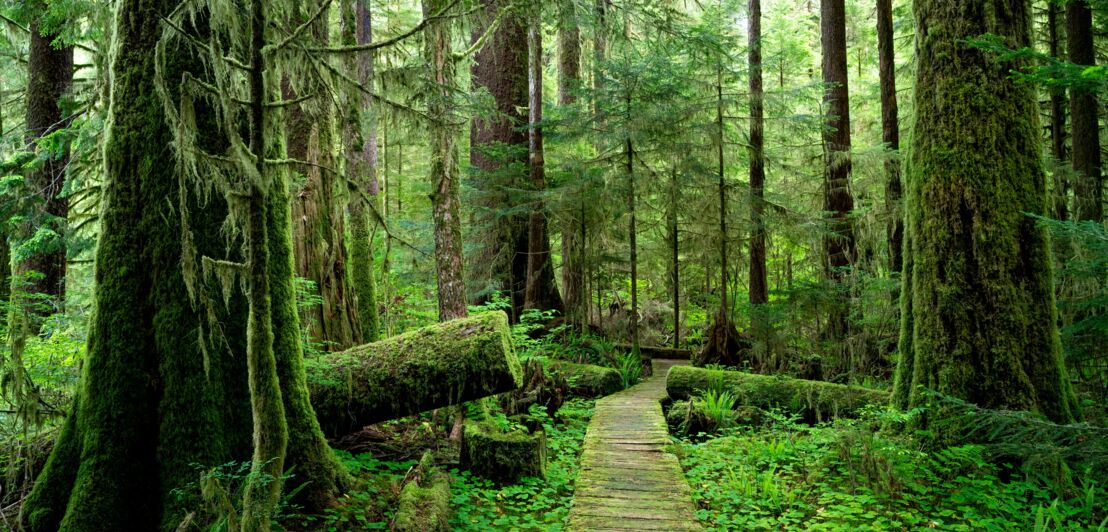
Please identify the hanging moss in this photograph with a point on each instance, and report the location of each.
(503, 457)
(587, 380)
(443, 364)
(978, 302)
(814, 400)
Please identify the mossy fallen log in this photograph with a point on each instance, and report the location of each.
(503, 457)
(439, 365)
(814, 400)
(424, 502)
(666, 353)
(588, 380)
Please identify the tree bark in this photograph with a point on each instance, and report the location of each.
(498, 154)
(978, 309)
(444, 166)
(574, 226)
(1057, 122)
(1084, 113)
(759, 287)
(890, 134)
(838, 202)
(541, 289)
(49, 76)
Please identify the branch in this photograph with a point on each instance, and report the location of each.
(204, 46)
(389, 42)
(300, 29)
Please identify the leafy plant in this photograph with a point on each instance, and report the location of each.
(630, 369)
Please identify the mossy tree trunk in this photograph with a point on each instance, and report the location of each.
(978, 299)
(444, 165)
(160, 392)
(760, 323)
(1060, 193)
(360, 138)
(574, 225)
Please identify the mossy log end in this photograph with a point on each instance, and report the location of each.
(500, 456)
(588, 380)
(652, 352)
(439, 365)
(814, 400)
(425, 505)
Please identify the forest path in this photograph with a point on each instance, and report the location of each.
(627, 480)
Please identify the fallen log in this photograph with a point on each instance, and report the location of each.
(814, 400)
(666, 353)
(440, 365)
(588, 380)
(424, 502)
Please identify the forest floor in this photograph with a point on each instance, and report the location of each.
(628, 481)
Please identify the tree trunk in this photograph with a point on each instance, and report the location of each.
(361, 165)
(978, 306)
(573, 229)
(160, 392)
(444, 166)
(759, 287)
(1057, 122)
(632, 233)
(541, 289)
(440, 365)
(1084, 112)
(498, 153)
(318, 210)
(49, 75)
(890, 134)
(673, 237)
(838, 202)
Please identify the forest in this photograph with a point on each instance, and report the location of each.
(584, 265)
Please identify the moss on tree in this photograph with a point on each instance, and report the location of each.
(978, 298)
(588, 380)
(502, 456)
(815, 400)
(439, 365)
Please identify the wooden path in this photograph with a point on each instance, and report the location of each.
(627, 481)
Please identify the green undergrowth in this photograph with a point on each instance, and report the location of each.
(371, 506)
(849, 475)
(533, 503)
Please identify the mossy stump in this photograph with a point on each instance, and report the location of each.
(588, 380)
(503, 457)
(815, 400)
(425, 505)
(436, 366)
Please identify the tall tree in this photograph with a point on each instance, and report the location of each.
(49, 76)
(978, 303)
(161, 389)
(318, 207)
(574, 227)
(758, 284)
(498, 153)
(361, 149)
(1057, 121)
(838, 200)
(540, 289)
(890, 133)
(444, 163)
(1085, 115)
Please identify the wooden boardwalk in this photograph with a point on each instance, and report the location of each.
(627, 481)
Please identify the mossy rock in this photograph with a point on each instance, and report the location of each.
(587, 380)
(432, 367)
(503, 457)
(425, 505)
(814, 400)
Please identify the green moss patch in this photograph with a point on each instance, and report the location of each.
(587, 380)
(502, 456)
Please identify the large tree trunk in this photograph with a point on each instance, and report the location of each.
(360, 139)
(444, 166)
(1084, 113)
(759, 286)
(978, 304)
(890, 134)
(574, 225)
(1057, 122)
(318, 207)
(498, 153)
(161, 392)
(541, 289)
(436, 366)
(838, 202)
(49, 75)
